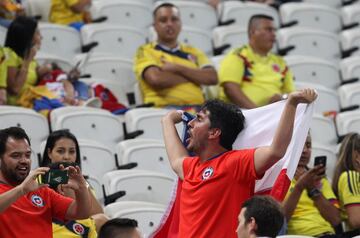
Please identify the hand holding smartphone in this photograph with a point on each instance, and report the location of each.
(320, 160)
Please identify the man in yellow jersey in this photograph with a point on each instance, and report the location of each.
(310, 206)
(252, 76)
(171, 73)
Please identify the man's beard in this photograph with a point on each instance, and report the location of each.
(11, 176)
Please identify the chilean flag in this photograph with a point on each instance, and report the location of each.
(260, 127)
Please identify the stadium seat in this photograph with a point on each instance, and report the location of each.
(309, 42)
(40, 9)
(62, 41)
(125, 12)
(323, 130)
(148, 215)
(35, 125)
(312, 15)
(332, 3)
(148, 154)
(3, 32)
(232, 35)
(149, 121)
(198, 38)
(241, 12)
(349, 95)
(351, 15)
(89, 123)
(314, 70)
(350, 68)
(197, 14)
(350, 41)
(347, 122)
(139, 185)
(44, 58)
(327, 101)
(121, 41)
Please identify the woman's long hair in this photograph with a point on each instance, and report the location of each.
(350, 144)
(20, 35)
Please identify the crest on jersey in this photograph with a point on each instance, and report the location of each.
(78, 229)
(37, 201)
(208, 172)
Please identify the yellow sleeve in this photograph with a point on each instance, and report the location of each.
(231, 69)
(143, 59)
(328, 192)
(349, 187)
(13, 60)
(3, 70)
(288, 86)
(92, 230)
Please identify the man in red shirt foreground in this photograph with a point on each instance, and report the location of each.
(218, 179)
(26, 207)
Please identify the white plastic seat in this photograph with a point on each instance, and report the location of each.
(241, 12)
(122, 41)
(330, 3)
(60, 40)
(310, 42)
(329, 152)
(347, 122)
(148, 215)
(38, 8)
(232, 35)
(349, 94)
(350, 39)
(350, 67)
(198, 38)
(3, 32)
(149, 154)
(323, 130)
(327, 101)
(110, 68)
(89, 123)
(125, 12)
(139, 185)
(148, 120)
(314, 70)
(350, 14)
(311, 15)
(197, 14)
(34, 124)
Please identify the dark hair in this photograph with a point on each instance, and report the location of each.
(13, 132)
(166, 4)
(349, 145)
(267, 213)
(20, 35)
(51, 141)
(253, 20)
(228, 118)
(117, 226)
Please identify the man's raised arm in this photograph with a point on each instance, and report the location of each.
(267, 156)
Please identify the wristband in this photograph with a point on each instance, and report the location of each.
(313, 193)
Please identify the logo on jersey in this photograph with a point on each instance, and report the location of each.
(78, 229)
(276, 68)
(208, 172)
(192, 58)
(37, 201)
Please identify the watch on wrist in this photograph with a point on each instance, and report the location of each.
(313, 193)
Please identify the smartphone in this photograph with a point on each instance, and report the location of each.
(55, 177)
(320, 160)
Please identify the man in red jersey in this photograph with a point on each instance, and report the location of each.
(26, 207)
(218, 179)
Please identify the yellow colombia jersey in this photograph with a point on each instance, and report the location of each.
(74, 229)
(258, 77)
(152, 54)
(306, 219)
(61, 13)
(349, 193)
(3, 68)
(15, 61)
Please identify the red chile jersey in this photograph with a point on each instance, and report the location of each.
(213, 192)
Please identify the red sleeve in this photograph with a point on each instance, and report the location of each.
(187, 164)
(59, 204)
(241, 163)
